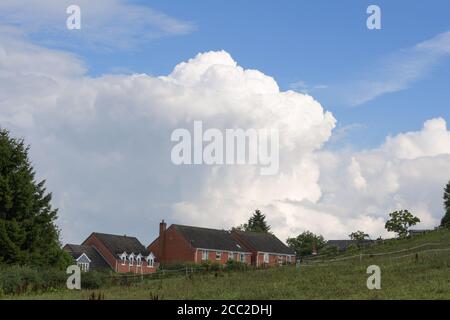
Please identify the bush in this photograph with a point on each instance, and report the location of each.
(211, 266)
(21, 279)
(233, 265)
(94, 280)
(329, 250)
(178, 265)
(53, 278)
(18, 280)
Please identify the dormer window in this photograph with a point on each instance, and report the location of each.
(150, 260)
(123, 258)
(83, 262)
(131, 259)
(139, 260)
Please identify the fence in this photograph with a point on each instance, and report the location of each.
(361, 255)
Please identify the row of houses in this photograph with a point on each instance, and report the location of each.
(179, 243)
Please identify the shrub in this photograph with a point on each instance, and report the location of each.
(53, 278)
(21, 279)
(211, 266)
(94, 280)
(179, 265)
(233, 265)
(329, 250)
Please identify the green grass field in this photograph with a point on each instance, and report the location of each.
(422, 272)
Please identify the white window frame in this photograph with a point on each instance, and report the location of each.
(218, 255)
(84, 266)
(280, 260)
(230, 255)
(242, 257)
(204, 255)
(138, 261)
(131, 259)
(123, 258)
(266, 258)
(150, 260)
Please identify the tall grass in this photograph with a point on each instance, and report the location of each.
(420, 274)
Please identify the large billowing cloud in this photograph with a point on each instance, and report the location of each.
(104, 146)
(408, 171)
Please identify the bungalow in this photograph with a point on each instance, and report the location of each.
(119, 253)
(180, 243)
(266, 249)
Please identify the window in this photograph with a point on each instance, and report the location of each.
(230, 256)
(138, 261)
(131, 258)
(242, 257)
(123, 258)
(204, 255)
(280, 260)
(290, 259)
(84, 266)
(150, 260)
(266, 258)
(218, 255)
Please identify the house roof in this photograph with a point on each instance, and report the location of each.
(343, 244)
(264, 242)
(97, 261)
(205, 238)
(119, 244)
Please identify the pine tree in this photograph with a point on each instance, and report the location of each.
(257, 223)
(445, 222)
(28, 234)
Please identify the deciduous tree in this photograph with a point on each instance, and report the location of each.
(400, 221)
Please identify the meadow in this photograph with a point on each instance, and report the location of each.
(413, 268)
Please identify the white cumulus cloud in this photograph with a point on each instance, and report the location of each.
(103, 143)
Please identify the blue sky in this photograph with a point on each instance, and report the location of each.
(101, 137)
(317, 43)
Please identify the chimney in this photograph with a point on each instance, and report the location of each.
(162, 227)
(162, 240)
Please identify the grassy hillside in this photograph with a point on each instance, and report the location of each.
(419, 269)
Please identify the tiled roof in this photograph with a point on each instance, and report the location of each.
(119, 244)
(264, 242)
(213, 239)
(97, 261)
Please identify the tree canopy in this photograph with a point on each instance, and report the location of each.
(445, 222)
(256, 223)
(358, 235)
(28, 234)
(305, 242)
(400, 221)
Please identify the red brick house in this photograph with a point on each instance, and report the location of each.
(180, 243)
(119, 253)
(266, 249)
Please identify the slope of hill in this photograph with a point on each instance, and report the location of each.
(414, 268)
